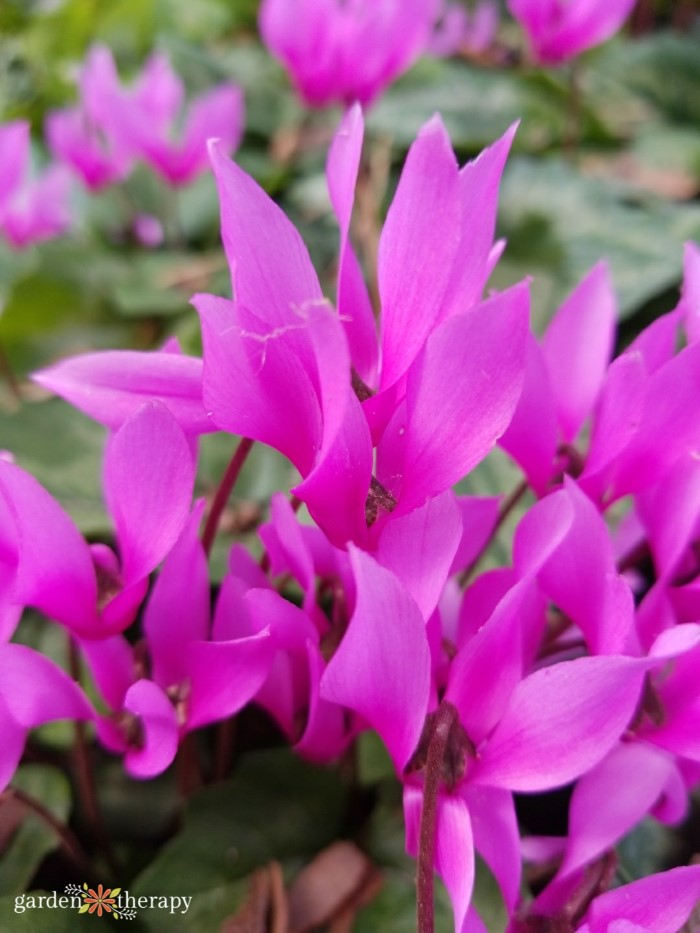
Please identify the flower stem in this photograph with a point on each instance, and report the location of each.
(507, 507)
(228, 481)
(85, 775)
(445, 718)
(69, 842)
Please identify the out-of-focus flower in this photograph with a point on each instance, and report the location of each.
(31, 209)
(558, 30)
(115, 125)
(342, 51)
(148, 230)
(459, 29)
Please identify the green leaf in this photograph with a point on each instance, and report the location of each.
(276, 806)
(63, 449)
(559, 223)
(34, 839)
(373, 761)
(16, 916)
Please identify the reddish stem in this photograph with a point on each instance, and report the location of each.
(507, 507)
(228, 481)
(445, 718)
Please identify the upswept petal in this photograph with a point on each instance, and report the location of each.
(178, 608)
(254, 383)
(611, 799)
(562, 720)
(577, 347)
(659, 904)
(270, 265)
(148, 481)
(668, 428)
(581, 578)
(462, 392)
(496, 836)
(225, 675)
(481, 698)
(434, 529)
(479, 515)
(354, 306)
(658, 342)
(479, 182)
(55, 572)
(158, 721)
(382, 666)
(670, 512)
(34, 690)
(587, 23)
(112, 385)
(454, 846)
(326, 734)
(617, 419)
(421, 234)
(112, 666)
(531, 436)
(346, 466)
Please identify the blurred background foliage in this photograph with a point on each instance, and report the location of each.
(621, 181)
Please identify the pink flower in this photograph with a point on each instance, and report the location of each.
(148, 480)
(558, 30)
(458, 29)
(31, 209)
(113, 125)
(278, 360)
(342, 51)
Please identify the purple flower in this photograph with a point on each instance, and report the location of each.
(113, 125)
(342, 51)
(278, 360)
(558, 30)
(148, 481)
(31, 209)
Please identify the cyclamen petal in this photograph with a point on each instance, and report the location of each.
(158, 721)
(421, 233)
(149, 480)
(471, 373)
(577, 348)
(225, 675)
(112, 385)
(354, 306)
(658, 904)
(561, 721)
(55, 572)
(382, 668)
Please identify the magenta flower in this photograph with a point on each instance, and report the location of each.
(193, 679)
(148, 480)
(459, 29)
(278, 360)
(342, 51)
(113, 125)
(31, 209)
(507, 733)
(558, 30)
(33, 691)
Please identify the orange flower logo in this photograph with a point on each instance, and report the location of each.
(100, 900)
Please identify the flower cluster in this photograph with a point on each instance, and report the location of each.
(113, 126)
(576, 665)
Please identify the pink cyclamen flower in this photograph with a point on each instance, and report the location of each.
(558, 30)
(459, 29)
(115, 125)
(31, 209)
(148, 480)
(279, 361)
(342, 51)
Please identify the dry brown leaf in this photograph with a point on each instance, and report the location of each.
(327, 886)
